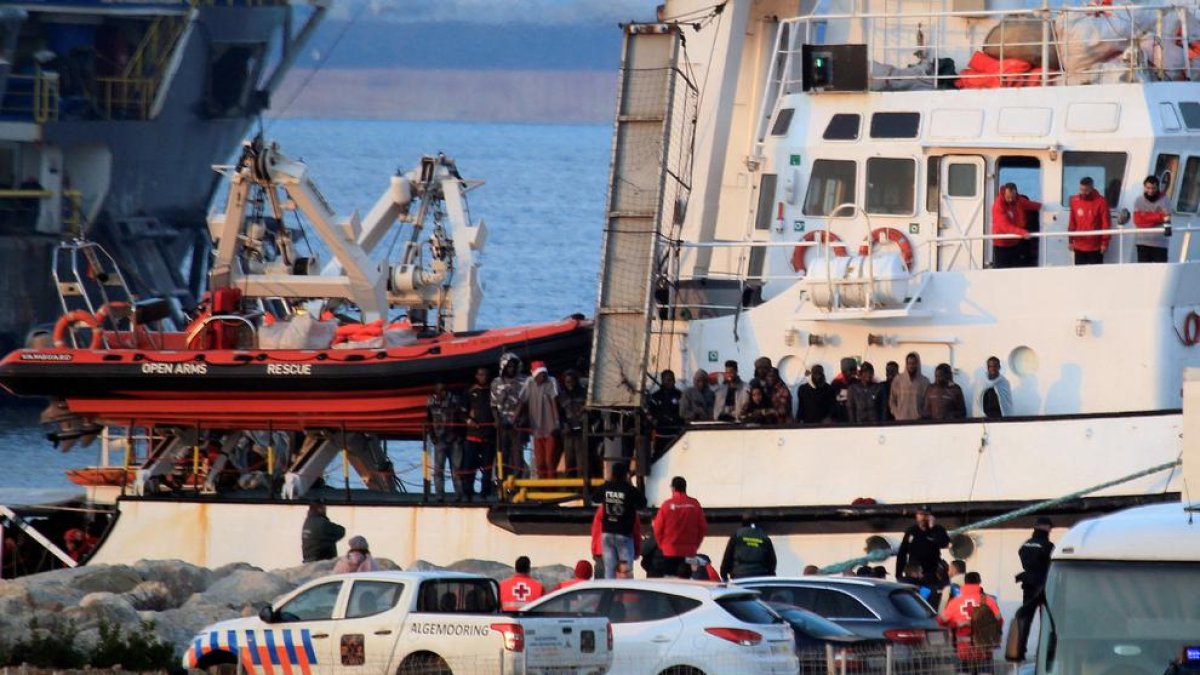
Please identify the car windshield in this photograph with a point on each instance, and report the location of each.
(748, 609)
(1126, 617)
(810, 624)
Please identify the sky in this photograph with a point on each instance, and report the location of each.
(548, 12)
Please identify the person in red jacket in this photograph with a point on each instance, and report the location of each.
(959, 614)
(679, 527)
(1008, 217)
(583, 572)
(520, 589)
(1151, 209)
(1089, 212)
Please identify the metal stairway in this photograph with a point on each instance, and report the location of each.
(648, 187)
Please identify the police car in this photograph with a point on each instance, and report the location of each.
(678, 626)
(404, 623)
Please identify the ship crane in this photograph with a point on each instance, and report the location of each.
(430, 199)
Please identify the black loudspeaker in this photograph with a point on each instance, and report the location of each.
(834, 67)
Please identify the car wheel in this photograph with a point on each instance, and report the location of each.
(424, 663)
(682, 670)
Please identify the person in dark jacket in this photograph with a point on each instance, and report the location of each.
(815, 398)
(944, 399)
(319, 538)
(749, 552)
(922, 544)
(867, 397)
(481, 435)
(1035, 565)
(663, 411)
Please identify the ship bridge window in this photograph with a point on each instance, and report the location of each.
(933, 173)
(895, 124)
(1026, 172)
(1106, 168)
(831, 184)
(782, 122)
(962, 180)
(1189, 192)
(1191, 114)
(843, 127)
(891, 186)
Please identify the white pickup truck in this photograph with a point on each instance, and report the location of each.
(408, 623)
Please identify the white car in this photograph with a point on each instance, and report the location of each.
(408, 623)
(680, 627)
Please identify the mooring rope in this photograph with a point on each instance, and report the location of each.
(883, 554)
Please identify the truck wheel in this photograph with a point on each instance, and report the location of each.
(681, 670)
(424, 663)
(220, 663)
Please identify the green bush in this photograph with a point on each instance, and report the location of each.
(50, 647)
(137, 651)
(54, 646)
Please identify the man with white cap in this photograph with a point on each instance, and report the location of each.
(539, 399)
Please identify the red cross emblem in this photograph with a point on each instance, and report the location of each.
(521, 591)
(967, 608)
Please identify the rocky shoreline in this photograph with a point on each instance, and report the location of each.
(173, 596)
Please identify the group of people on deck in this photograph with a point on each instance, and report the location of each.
(855, 396)
(1015, 214)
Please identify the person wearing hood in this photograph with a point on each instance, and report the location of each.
(357, 559)
(539, 403)
(506, 406)
(815, 398)
(995, 396)
(583, 572)
(696, 403)
(1151, 209)
(319, 538)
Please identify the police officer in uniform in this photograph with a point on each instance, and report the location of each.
(749, 552)
(1035, 565)
(922, 544)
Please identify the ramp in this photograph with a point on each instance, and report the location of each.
(649, 182)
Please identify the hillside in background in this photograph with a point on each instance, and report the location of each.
(510, 72)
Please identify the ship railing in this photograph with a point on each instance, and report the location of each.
(31, 97)
(125, 97)
(1047, 46)
(926, 250)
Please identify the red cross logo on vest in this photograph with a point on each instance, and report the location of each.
(967, 608)
(521, 591)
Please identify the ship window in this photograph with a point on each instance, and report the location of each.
(1167, 170)
(1106, 168)
(895, 124)
(831, 184)
(962, 179)
(1026, 172)
(1189, 194)
(1191, 114)
(933, 174)
(782, 122)
(891, 186)
(843, 127)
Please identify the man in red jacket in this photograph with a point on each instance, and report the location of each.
(520, 589)
(679, 527)
(1008, 217)
(1089, 212)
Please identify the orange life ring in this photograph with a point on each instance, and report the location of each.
(1191, 328)
(69, 319)
(798, 253)
(896, 237)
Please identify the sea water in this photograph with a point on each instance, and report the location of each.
(543, 203)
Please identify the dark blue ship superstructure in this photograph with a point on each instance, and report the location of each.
(112, 113)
